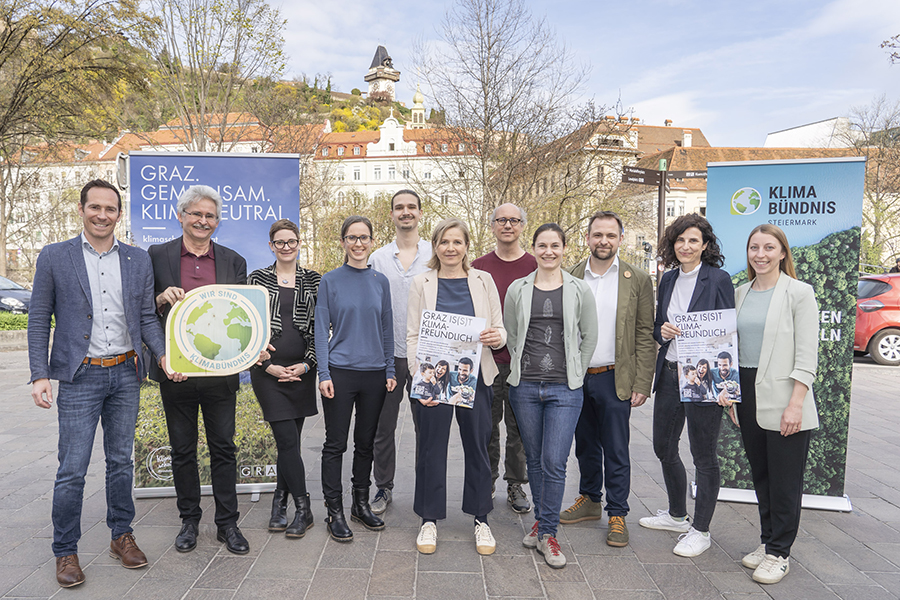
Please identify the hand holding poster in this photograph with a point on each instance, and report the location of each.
(707, 356)
(448, 356)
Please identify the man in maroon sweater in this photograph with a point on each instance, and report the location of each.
(506, 264)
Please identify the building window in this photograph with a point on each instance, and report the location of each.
(428, 175)
(356, 150)
(461, 147)
(391, 146)
(405, 173)
(340, 151)
(377, 173)
(680, 207)
(444, 198)
(601, 174)
(427, 147)
(341, 196)
(670, 209)
(444, 147)
(356, 174)
(703, 209)
(340, 174)
(392, 173)
(462, 174)
(325, 151)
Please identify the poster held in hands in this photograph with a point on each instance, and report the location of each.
(708, 355)
(448, 357)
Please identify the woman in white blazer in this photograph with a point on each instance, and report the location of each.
(778, 333)
(452, 286)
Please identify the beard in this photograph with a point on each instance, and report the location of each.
(603, 253)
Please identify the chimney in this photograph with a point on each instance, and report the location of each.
(686, 140)
(668, 122)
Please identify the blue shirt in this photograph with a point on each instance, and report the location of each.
(355, 305)
(109, 329)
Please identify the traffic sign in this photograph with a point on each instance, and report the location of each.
(640, 176)
(687, 174)
(638, 171)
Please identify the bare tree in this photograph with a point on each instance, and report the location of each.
(893, 47)
(875, 133)
(507, 87)
(208, 52)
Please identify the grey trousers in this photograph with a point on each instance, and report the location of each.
(516, 471)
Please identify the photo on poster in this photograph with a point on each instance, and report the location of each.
(447, 359)
(708, 356)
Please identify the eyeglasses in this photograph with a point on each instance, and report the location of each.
(503, 221)
(352, 239)
(292, 243)
(200, 215)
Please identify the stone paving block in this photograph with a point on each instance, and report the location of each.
(862, 592)
(393, 574)
(864, 528)
(159, 589)
(225, 573)
(511, 576)
(103, 582)
(253, 589)
(285, 558)
(11, 576)
(31, 552)
(826, 565)
(339, 584)
(628, 595)
(889, 581)
(441, 586)
(209, 595)
(734, 582)
(358, 554)
(567, 590)
(572, 573)
(878, 508)
(615, 573)
(652, 546)
(715, 559)
(799, 583)
(589, 541)
(42, 582)
(890, 552)
(182, 565)
(399, 539)
(450, 556)
(858, 555)
(682, 582)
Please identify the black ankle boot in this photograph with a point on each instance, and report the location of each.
(303, 518)
(337, 524)
(362, 513)
(278, 520)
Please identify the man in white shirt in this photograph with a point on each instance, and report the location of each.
(618, 377)
(399, 261)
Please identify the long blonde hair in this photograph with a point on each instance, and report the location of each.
(438, 234)
(787, 263)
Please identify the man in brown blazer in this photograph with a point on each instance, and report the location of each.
(618, 378)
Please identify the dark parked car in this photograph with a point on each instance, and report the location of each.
(13, 297)
(878, 318)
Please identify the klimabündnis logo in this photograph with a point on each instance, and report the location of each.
(745, 201)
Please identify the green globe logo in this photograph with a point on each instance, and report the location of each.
(745, 201)
(219, 329)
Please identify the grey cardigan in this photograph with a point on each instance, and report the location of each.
(579, 325)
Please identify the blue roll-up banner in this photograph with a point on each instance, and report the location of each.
(818, 204)
(256, 190)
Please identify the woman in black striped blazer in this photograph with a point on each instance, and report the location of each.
(285, 385)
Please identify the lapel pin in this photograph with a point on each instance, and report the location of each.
(627, 274)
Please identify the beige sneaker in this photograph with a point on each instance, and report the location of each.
(584, 509)
(755, 558)
(484, 539)
(772, 569)
(548, 547)
(426, 542)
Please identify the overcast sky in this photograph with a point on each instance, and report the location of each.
(735, 70)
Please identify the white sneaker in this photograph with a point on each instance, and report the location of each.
(531, 539)
(548, 547)
(484, 539)
(663, 520)
(772, 569)
(693, 543)
(426, 542)
(755, 558)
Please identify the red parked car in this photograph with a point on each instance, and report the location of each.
(878, 318)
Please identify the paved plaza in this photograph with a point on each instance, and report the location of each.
(837, 555)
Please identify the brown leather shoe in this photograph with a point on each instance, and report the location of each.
(68, 571)
(126, 549)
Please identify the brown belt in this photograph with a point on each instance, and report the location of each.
(109, 361)
(598, 370)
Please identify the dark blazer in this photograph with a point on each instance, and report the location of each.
(61, 288)
(230, 268)
(713, 291)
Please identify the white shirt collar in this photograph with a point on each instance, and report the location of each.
(613, 268)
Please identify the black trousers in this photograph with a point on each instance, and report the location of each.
(385, 445)
(364, 390)
(182, 402)
(777, 464)
(431, 467)
(291, 472)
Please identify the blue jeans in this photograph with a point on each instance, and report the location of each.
(547, 414)
(109, 395)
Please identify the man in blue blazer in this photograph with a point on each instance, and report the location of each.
(101, 293)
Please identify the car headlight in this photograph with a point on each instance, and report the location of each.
(12, 302)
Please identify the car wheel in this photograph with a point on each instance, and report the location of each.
(885, 347)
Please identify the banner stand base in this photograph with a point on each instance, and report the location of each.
(254, 489)
(833, 503)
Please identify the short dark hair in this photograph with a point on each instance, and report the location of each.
(606, 214)
(411, 193)
(283, 224)
(465, 360)
(688, 368)
(549, 227)
(666, 251)
(425, 366)
(725, 355)
(99, 183)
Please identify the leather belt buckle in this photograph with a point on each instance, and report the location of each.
(598, 370)
(109, 361)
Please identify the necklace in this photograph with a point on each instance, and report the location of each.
(284, 280)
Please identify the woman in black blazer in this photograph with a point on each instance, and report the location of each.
(697, 284)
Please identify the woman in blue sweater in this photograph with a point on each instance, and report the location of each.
(356, 369)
